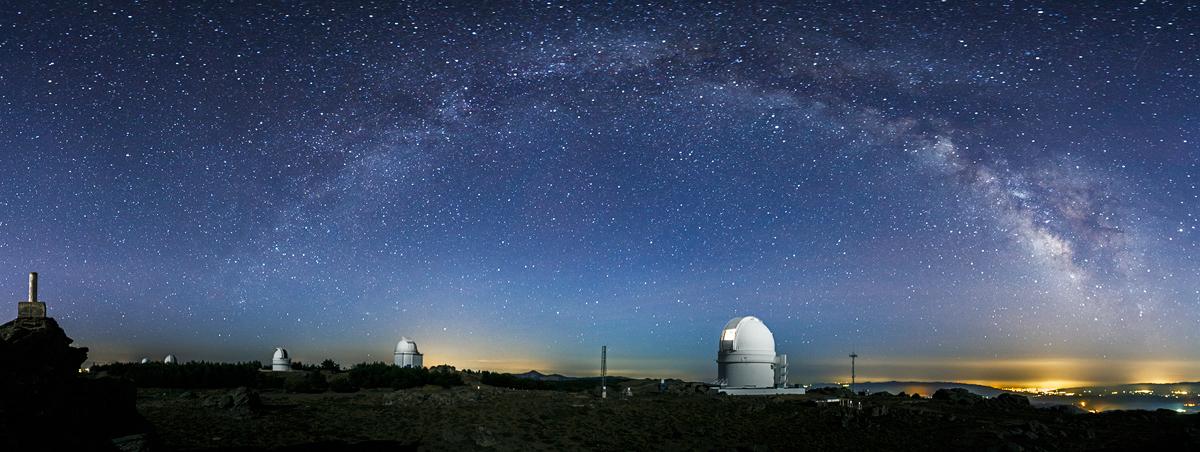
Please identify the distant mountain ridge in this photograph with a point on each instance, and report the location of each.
(535, 375)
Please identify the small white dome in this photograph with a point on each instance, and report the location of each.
(170, 359)
(281, 362)
(145, 360)
(407, 354)
(406, 345)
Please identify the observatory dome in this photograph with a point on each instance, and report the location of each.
(170, 359)
(145, 361)
(407, 354)
(747, 334)
(746, 355)
(281, 362)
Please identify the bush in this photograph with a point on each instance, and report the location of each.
(831, 391)
(381, 375)
(330, 365)
(189, 375)
(312, 382)
(341, 383)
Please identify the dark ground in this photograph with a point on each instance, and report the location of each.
(474, 417)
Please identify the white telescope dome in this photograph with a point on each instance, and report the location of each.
(406, 345)
(746, 355)
(407, 355)
(747, 334)
(170, 359)
(281, 362)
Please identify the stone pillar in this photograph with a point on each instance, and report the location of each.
(32, 287)
(31, 309)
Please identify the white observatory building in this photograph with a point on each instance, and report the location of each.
(170, 359)
(407, 354)
(281, 362)
(746, 360)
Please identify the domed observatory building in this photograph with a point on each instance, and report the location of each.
(746, 360)
(407, 354)
(170, 359)
(281, 362)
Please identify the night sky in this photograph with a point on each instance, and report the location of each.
(1003, 194)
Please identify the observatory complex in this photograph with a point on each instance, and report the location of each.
(407, 354)
(281, 362)
(746, 360)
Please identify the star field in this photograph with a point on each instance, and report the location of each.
(956, 190)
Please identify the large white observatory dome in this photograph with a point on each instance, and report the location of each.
(281, 362)
(746, 356)
(170, 359)
(407, 354)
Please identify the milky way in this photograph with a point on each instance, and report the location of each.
(936, 186)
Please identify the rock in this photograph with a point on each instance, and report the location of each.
(38, 349)
(132, 443)
(1010, 401)
(242, 400)
(45, 403)
(1066, 409)
(957, 395)
(484, 437)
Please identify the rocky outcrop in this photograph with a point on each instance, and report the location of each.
(45, 404)
(1010, 401)
(241, 400)
(957, 395)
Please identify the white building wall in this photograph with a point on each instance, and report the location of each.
(409, 360)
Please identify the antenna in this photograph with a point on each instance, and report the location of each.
(603, 371)
(853, 356)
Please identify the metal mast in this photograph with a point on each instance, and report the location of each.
(853, 356)
(603, 371)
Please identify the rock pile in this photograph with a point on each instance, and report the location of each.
(44, 402)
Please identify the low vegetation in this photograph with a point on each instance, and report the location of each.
(196, 374)
(504, 380)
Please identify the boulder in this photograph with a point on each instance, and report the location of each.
(47, 404)
(1010, 401)
(1066, 409)
(241, 400)
(957, 395)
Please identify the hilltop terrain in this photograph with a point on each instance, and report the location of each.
(477, 417)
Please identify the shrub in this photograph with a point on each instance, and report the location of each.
(330, 365)
(341, 383)
(311, 383)
(188, 375)
(381, 375)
